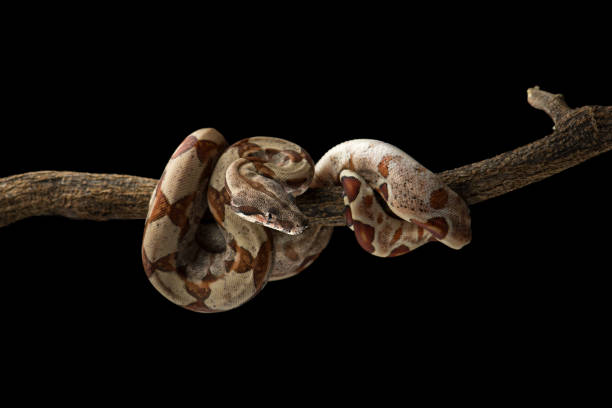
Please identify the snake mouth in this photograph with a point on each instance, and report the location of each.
(294, 229)
(271, 219)
(295, 226)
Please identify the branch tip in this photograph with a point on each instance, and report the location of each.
(553, 104)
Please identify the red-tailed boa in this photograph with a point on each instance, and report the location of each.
(260, 234)
(215, 267)
(427, 209)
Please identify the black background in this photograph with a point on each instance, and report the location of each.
(532, 283)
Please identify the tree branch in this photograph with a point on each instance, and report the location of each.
(579, 134)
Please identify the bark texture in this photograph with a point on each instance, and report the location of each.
(579, 134)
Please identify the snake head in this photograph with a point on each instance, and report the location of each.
(277, 214)
(261, 199)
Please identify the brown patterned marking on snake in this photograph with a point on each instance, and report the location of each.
(384, 191)
(400, 250)
(262, 263)
(243, 261)
(351, 164)
(348, 216)
(178, 213)
(365, 207)
(262, 169)
(438, 199)
(294, 183)
(293, 155)
(245, 147)
(396, 235)
(290, 252)
(199, 306)
(420, 232)
(351, 187)
(160, 206)
(148, 265)
(437, 226)
(271, 152)
(257, 156)
(248, 210)
(201, 291)
(234, 246)
(383, 165)
(226, 196)
(207, 150)
(164, 264)
(379, 219)
(365, 235)
(185, 145)
(217, 201)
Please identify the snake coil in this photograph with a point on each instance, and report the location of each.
(260, 234)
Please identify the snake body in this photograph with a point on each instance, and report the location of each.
(393, 204)
(251, 184)
(416, 208)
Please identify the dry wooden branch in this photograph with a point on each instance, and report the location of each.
(579, 135)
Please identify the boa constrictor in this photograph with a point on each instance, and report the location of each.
(209, 267)
(427, 209)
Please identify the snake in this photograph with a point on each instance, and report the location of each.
(259, 233)
(216, 260)
(393, 203)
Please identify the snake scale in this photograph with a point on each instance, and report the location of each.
(393, 204)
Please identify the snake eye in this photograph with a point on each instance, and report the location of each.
(271, 213)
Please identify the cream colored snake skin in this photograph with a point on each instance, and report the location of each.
(427, 209)
(208, 267)
(260, 234)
